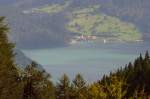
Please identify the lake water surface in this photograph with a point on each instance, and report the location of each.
(92, 60)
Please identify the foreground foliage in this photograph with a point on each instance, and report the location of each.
(15, 83)
(130, 82)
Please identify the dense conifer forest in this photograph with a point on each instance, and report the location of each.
(129, 82)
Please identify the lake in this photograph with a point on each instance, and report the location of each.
(91, 59)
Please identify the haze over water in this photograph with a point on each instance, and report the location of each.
(91, 59)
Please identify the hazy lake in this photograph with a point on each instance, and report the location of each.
(90, 59)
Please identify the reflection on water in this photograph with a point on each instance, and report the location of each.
(92, 60)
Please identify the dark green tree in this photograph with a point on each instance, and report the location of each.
(63, 88)
(135, 76)
(79, 85)
(37, 84)
(10, 87)
(147, 55)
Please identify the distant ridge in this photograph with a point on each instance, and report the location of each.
(22, 60)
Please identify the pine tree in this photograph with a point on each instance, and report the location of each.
(147, 55)
(79, 85)
(37, 85)
(63, 88)
(115, 88)
(10, 87)
(97, 91)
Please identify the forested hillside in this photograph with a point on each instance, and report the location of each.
(28, 28)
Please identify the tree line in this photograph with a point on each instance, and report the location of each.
(129, 82)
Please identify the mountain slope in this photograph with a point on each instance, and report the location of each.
(22, 61)
(42, 30)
